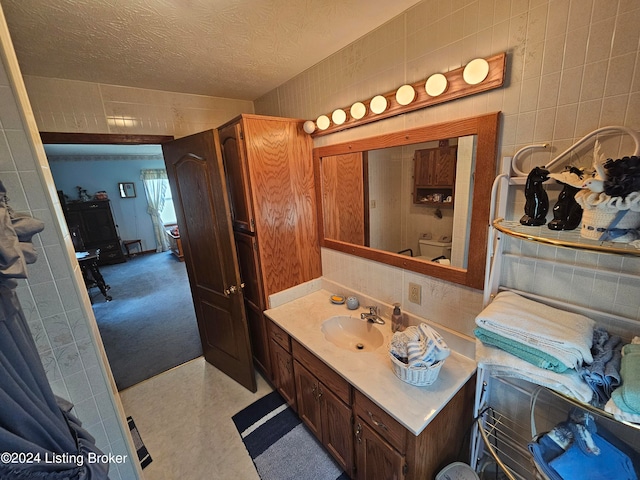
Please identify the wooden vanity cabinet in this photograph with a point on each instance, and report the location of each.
(324, 405)
(282, 364)
(386, 450)
(367, 442)
(269, 171)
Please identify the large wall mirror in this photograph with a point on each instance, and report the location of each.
(416, 199)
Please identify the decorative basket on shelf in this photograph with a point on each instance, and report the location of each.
(419, 376)
(607, 218)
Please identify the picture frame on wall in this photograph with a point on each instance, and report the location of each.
(127, 189)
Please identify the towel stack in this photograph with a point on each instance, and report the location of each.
(624, 403)
(603, 375)
(526, 339)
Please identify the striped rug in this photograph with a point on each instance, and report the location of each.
(280, 445)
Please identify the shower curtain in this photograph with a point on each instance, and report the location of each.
(39, 437)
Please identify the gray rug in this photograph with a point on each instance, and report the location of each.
(280, 445)
(150, 325)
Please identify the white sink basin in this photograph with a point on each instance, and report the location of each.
(352, 333)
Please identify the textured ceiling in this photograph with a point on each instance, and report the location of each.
(238, 49)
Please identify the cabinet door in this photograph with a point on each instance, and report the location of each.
(282, 368)
(98, 223)
(246, 250)
(375, 458)
(444, 168)
(435, 167)
(423, 161)
(235, 166)
(336, 429)
(345, 198)
(307, 395)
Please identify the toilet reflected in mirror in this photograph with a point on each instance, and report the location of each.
(434, 250)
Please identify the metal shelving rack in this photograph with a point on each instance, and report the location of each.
(502, 432)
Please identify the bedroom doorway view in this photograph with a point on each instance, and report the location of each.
(149, 325)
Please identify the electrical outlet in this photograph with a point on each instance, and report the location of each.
(415, 293)
(372, 204)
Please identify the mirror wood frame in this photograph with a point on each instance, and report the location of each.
(486, 128)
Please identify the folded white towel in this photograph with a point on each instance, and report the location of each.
(619, 414)
(421, 345)
(564, 335)
(504, 364)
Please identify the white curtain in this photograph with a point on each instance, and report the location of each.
(155, 187)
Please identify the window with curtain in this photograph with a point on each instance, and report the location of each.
(159, 203)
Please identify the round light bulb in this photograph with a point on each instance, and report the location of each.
(338, 116)
(309, 127)
(323, 122)
(378, 104)
(405, 95)
(436, 85)
(476, 71)
(358, 110)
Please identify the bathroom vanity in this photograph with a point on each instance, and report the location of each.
(375, 425)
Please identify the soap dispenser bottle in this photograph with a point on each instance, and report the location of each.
(397, 321)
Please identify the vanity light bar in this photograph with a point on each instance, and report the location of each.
(479, 75)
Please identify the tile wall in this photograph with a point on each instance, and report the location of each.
(572, 67)
(53, 297)
(73, 106)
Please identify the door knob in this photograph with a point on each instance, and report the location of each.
(233, 289)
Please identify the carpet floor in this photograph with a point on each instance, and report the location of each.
(280, 445)
(150, 325)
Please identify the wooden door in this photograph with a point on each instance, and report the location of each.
(282, 368)
(336, 429)
(375, 458)
(235, 164)
(307, 393)
(247, 250)
(196, 176)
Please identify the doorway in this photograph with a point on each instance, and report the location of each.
(150, 325)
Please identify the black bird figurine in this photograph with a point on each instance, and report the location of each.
(537, 201)
(567, 214)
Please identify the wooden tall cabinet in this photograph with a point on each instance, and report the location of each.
(269, 171)
(97, 228)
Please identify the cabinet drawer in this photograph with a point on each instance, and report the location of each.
(334, 382)
(380, 421)
(280, 336)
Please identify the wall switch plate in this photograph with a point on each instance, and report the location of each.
(415, 293)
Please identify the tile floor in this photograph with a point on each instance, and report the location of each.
(184, 418)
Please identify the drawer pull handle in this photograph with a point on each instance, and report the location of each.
(377, 423)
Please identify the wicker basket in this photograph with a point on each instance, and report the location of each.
(421, 376)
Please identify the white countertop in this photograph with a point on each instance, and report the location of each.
(371, 372)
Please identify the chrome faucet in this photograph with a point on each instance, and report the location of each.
(372, 316)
